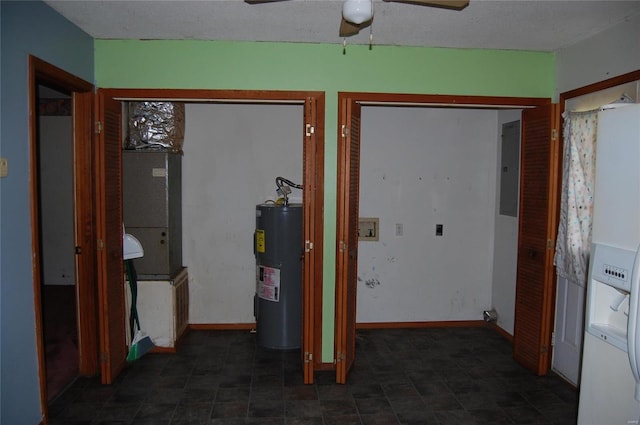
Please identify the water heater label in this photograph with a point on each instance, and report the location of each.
(260, 241)
(269, 283)
(158, 172)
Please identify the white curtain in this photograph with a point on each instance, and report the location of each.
(573, 244)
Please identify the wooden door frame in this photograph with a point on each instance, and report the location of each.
(41, 72)
(595, 87)
(429, 100)
(316, 200)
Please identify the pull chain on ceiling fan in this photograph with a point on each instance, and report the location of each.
(356, 14)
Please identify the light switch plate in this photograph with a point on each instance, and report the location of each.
(4, 167)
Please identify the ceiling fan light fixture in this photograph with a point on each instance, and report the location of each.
(357, 11)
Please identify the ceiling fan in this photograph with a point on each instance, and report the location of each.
(358, 14)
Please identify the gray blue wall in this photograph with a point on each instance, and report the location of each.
(27, 28)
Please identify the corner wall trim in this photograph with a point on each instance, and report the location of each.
(506, 335)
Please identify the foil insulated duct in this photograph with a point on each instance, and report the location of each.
(156, 125)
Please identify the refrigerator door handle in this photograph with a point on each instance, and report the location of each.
(633, 339)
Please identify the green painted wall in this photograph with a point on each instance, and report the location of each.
(190, 64)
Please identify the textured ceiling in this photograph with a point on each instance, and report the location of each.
(542, 25)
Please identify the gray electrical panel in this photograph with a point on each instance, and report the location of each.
(510, 169)
(152, 204)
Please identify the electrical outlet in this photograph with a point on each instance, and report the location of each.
(4, 167)
(439, 229)
(399, 229)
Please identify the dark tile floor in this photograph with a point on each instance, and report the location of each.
(409, 376)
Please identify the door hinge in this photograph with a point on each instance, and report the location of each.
(104, 357)
(554, 134)
(339, 357)
(553, 339)
(549, 244)
(78, 250)
(98, 127)
(345, 131)
(342, 246)
(308, 246)
(309, 130)
(308, 357)
(100, 244)
(544, 349)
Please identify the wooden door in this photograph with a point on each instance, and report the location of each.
(347, 237)
(535, 279)
(85, 233)
(110, 274)
(309, 265)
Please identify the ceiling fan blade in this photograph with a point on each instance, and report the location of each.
(446, 4)
(347, 29)
(262, 1)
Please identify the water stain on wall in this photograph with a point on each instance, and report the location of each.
(372, 283)
(369, 283)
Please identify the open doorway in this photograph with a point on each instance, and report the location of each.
(108, 155)
(570, 302)
(350, 106)
(54, 156)
(62, 230)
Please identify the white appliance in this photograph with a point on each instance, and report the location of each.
(610, 389)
